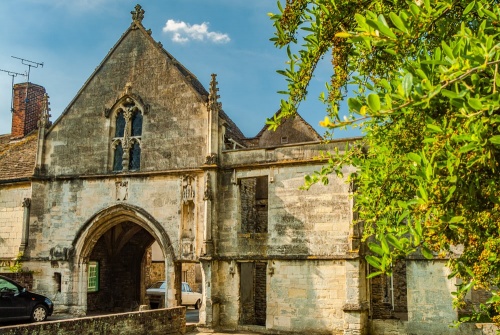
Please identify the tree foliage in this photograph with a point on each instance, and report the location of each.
(427, 100)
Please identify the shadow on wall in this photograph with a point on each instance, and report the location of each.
(305, 294)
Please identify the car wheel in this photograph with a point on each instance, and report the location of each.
(198, 304)
(39, 313)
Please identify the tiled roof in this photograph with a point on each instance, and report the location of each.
(17, 158)
(232, 129)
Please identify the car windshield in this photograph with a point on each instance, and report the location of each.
(158, 284)
(6, 286)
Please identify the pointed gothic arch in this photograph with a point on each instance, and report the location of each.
(126, 121)
(131, 221)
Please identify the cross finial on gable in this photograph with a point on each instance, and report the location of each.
(138, 13)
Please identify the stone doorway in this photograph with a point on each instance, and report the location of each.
(112, 251)
(117, 270)
(253, 293)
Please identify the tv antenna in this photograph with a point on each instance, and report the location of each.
(29, 64)
(13, 74)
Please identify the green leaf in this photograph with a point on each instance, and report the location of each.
(415, 157)
(385, 84)
(469, 7)
(456, 219)
(490, 14)
(426, 252)
(422, 192)
(403, 216)
(434, 128)
(384, 29)
(396, 20)
(382, 20)
(450, 193)
(475, 103)
(360, 19)
(374, 274)
(390, 51)
(354, 104)
(449, 94)
(493, 299)
(395, 242)
(375, 248)
(495, 139)
(414, 10)
(407, 84)
(468, 147)
(374, 261)
(373, 102)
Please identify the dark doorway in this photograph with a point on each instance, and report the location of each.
(115, 277)
(253, 293)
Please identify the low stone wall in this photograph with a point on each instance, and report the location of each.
(397, 327)
(169, 321)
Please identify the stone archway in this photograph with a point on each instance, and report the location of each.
(111, 247)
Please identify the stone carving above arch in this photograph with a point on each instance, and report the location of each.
(128, 102)
(121, 190)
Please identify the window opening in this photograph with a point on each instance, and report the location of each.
(254, 204)
(137, 124)
(127, 140)
(118, 159)
(57, 279)
(135, 156)
(93, 277)
(120, 124)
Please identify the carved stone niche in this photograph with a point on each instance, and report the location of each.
(188, 210)
(188, 191)
(187, 248)
(121, 190)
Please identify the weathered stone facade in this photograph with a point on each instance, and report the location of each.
(145, 154)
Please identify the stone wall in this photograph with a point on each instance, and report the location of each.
(430, 308)
(171, 321)
(293, 227)
(62, 212)
(11, 220)
(174, 129)
(306, 296)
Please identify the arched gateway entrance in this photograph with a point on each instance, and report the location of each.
(111, 254)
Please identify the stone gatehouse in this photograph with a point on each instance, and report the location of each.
(145, 156)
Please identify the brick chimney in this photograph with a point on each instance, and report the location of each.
(27, 108)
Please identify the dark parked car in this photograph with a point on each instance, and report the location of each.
(18, 303)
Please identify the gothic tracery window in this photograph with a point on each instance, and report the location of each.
(126, 143)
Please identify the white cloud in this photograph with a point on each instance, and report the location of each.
(183, 32)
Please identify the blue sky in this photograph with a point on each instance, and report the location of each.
(226, 37)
